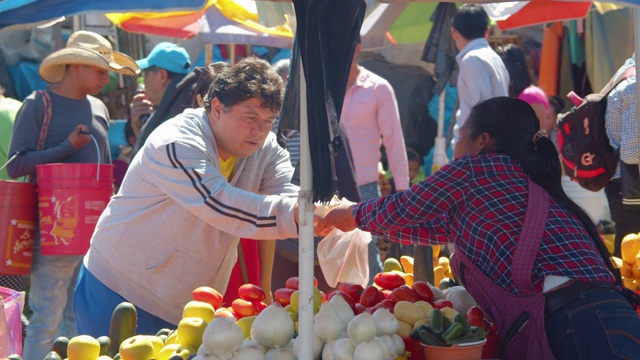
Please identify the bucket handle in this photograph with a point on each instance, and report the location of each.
(97, 150)
(18, 153)
(13, 157)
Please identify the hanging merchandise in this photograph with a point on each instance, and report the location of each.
(325, 40)
(440, 48)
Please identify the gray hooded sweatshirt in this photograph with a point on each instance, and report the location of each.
(176, 222)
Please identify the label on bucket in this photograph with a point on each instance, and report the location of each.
(19, 249)
(62, 222)
(68, 218)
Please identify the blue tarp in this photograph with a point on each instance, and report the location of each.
(42, 10)
(12, 4)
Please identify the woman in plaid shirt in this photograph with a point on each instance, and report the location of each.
(479, 203)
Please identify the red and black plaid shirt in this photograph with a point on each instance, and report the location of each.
(479, 203)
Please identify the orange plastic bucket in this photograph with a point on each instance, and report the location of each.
(469, 351)
(18, 204)
(71, 198)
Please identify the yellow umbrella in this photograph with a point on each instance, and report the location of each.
(186, 24)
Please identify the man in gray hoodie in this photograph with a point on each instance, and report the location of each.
(201, 181)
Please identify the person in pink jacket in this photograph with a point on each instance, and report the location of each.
(371, 118)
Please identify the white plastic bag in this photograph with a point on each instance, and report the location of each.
(343, 257)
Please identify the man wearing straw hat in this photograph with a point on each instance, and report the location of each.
(78, 71)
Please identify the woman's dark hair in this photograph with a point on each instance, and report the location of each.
(512, 123)
(516, 64)
(471, 21)
(556, 103)
(206, 76)
(413, 155)
(249, 78)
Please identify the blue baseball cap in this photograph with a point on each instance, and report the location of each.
(168, 56)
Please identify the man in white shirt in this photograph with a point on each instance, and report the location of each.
(482, 72)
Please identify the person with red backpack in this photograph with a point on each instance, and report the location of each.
(621, 124)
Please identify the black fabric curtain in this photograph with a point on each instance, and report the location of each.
(326, 35)
(440, 48)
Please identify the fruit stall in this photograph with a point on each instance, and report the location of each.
(395, 318)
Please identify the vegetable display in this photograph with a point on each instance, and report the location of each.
(350, 322)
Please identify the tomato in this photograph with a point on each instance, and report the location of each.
(244, 308)
(387, 293)
(439, 304)
(423, 290)
(251, 292)
(225, 312)
(490, 327)
(346, 298)
(381, 296)
(372, 310)
(359, 309)
(353, 290)
(369, 296)
(387, 304)
(404, 293)
(388, 280)
(259, 305)
(474, 313)
(209, 295)
(294, 283)
(283, 296)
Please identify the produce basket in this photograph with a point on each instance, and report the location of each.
(467, 351)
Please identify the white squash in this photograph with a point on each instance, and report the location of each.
(222, 337)
(273, 327)
(328, 325)
(369, 350)
(386, 323)
(361, 328)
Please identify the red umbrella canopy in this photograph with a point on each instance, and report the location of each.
(520, 14)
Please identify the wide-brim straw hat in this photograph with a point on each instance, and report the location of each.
(86, 48)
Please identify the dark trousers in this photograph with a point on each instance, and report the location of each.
(597, 326)
(626, 218)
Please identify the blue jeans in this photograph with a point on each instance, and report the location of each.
(601, 325)
(367, 192)
(50, 298)
(93, 305)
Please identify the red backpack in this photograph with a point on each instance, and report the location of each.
(585, 152)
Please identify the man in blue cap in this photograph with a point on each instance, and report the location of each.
(168, 81)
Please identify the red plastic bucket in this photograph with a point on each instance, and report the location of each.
(491, 350)
(413, 346)
(71, 198)
(18, 204)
